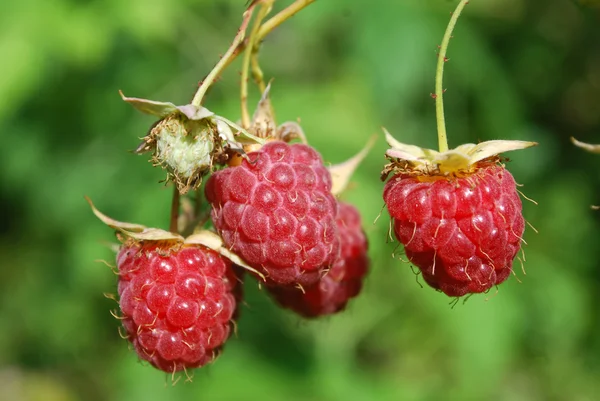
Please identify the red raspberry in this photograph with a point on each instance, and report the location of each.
(342, 282)
(462, 233)
(276, 212)
(177, 304)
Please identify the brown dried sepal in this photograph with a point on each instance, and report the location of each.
(463, 160)
(131, 234)
(432, 172)
(341, 173)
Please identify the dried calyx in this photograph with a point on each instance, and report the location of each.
(131, 232)
(188, 140)
(592, 148)
(464, 159)
(341, 173)
(264, 125)
(264, 128)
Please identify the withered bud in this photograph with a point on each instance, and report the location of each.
(188, 140)
(186, 148)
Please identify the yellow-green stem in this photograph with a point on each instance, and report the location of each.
(264, 30)
(439, 74)
(257, 74)
(174, 218)
(252, 41)
(281, 16)
(227, 58)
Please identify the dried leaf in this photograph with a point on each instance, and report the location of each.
(342, 172)
(212, 241)
(195, 112)
(486, 149)
(159, 109)
(242, 135)
(403, 151)
(587, 146)
(430, 161)
(263, 119)
(119, 225)
(290, 130)
(153, 234)
(135, 231)
(225, 132)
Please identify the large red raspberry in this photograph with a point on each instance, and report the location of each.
(177, 304)
(462, 233)
(342, 282)
(276, 212)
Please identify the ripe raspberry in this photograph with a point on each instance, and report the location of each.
(276, 212)
(177, 303)
(462, 233)
(342, 282)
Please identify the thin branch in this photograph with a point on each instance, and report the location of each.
(236, 47)
(173, 227)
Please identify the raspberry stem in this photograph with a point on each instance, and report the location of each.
(173, 226)
(281, 17)
(236, 47)
(258, 76)
(239, 44)
(250, 49)
(439, 74)
(253, 44)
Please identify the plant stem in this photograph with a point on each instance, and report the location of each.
(259, 77)
(282, 16)
(239, 44)
(264, 30)
(173, 226)
(257, 74)
(439, 74)
(252, 41)
(227, 58)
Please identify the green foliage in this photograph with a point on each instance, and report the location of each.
(518, 70)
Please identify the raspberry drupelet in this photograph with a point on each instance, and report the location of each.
(344, 280)
(276, 211)
(177, 303)
(461, 232)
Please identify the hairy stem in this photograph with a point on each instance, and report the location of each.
(282, 16)
(257, 74)
(439, 75)
(233, 51)
(267, 27)
(173, 226)
(252, 42)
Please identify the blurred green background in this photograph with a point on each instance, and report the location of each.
(518, 69)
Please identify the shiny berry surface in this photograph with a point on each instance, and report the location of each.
(177, 304)
(275, 210)
(462, 233)
(342, 282)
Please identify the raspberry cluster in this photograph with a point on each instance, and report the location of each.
(276, 215)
